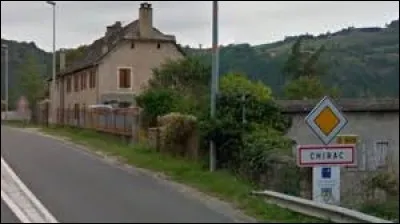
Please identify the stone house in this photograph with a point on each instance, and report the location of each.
(115, 67)
(374, 123)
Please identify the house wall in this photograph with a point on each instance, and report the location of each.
(87, 96)
(371, 127)
(142, 59)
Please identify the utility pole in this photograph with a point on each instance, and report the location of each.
(214, 79)
(5, 47)
(53, 83)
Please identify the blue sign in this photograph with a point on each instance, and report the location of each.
(326, 172)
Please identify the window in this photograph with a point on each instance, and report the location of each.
(124, 77)
(69, 84)
(76, 111)
(83, 81)
(381, 151)
(76, 82)
(158, 45)
(92, 79)
(124, 104)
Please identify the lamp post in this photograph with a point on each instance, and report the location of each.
(5, 47)
(214, 79)
(53, 82)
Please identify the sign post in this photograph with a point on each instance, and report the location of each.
(326, 121)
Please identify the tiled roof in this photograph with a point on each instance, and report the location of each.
(94, 52)
(345, 105)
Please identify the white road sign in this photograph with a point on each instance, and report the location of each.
(325, 120)
(325, 155)
(326, 185)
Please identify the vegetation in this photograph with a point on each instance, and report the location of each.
(363, 62)
(33, 87)
(249, 128)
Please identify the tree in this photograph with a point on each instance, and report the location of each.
(188, 76)
(303, 63)
(293, 65)
(73, 55)
(31, 84)
(304, 72)
(238, 84)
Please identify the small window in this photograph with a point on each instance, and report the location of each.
(124, 76)
(124, 104)
(76, 82)
(83, 81)
(381, 151)
(158, 45)
(92, 79)
(69, 84)
(76, 111)
(132, 45)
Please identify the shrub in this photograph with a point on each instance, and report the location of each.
(255, 148)
(176, 132)
(156, 102)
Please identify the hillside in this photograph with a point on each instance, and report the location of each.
(362, 62)
(18, 53)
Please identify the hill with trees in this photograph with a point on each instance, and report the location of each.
(357, 62)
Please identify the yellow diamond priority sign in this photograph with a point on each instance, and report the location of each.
(326, 120)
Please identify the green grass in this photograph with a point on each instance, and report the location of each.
(219, 184)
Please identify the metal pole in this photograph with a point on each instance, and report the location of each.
(214, 79)
(6, 75)
(53, 83)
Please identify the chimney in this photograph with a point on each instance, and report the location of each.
(115, 27)
(145, 20)
(62, 59)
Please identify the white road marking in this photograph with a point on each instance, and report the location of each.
(14, 208)
(22, 198)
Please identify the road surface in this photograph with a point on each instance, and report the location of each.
(6, 215)
(77, 187)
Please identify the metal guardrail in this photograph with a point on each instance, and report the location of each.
(324, 211)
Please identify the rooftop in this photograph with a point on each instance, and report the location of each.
(345, 105)
(114, 35)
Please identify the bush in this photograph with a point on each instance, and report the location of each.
(266, 158)
(155, 102)
(159, 102)
(176, 133)
(255, 149)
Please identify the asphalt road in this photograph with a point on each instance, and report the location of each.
(6, 215)
(76, 187)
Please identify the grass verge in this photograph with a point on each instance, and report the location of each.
(220, 184)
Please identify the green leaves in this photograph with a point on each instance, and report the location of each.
(187, 75)
(304, 71)
(239, 84)
(156, 102)
(31, 84)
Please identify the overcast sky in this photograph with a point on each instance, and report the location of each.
(81, 22)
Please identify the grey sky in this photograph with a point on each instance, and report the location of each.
(81, 22)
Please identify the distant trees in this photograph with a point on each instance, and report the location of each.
(303, 72)
(31, 83)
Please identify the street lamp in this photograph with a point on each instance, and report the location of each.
(53, 83)
(214, 79)
(5, 47)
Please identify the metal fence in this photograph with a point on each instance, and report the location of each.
(119, 121)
